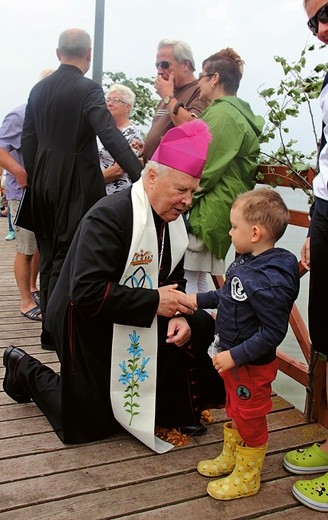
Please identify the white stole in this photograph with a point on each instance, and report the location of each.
(134, 349)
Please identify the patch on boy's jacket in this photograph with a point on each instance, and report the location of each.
(237, 290)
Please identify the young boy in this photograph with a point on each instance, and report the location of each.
(253, 310)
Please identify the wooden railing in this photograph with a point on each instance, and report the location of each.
(312, 372)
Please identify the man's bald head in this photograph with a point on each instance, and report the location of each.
(74, 43)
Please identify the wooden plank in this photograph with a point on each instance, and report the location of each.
(296, 513)
(277, 495)
(279, 175)
(165, 492)
(300, 331)
(26, 426)
(29, 464)
(37, 432)
(293, 368)
(299, 218)
(12, 411)
(15, 411)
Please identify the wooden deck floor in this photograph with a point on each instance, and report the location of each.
(120, 477)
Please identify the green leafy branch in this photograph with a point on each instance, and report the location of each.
(297, 88)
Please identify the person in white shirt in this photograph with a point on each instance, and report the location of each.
(314, 257)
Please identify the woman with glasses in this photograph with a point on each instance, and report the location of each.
(120, 101)
(229, 169)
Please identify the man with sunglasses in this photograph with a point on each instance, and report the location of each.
(178, 88)
(314, 256)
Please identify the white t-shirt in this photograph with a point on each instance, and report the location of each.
(320, 182)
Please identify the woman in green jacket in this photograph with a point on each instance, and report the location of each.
(229, 169)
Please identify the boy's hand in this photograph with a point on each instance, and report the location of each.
(191, 299)
(173, 302)
(223, 361)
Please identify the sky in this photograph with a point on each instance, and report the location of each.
(257, 29)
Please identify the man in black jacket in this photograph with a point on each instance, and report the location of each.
(123, 278)
(64, 114)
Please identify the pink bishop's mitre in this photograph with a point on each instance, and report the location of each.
(185, 147)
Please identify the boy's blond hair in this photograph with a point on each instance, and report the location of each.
(264, 206)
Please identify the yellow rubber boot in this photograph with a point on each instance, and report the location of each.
(224, 463)
(244, 481)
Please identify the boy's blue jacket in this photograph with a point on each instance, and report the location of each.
(254, 305)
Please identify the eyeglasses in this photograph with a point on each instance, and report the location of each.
(163, 64)
(115, 100)
(320, 16)
(201, 75)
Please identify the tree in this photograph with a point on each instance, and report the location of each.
(295, 89)
(146, 102)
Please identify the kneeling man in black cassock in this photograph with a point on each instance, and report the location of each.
(133, 352)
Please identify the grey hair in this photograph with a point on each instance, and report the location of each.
(126, 94)
(161, 169)
(181, 51)
(74, 43)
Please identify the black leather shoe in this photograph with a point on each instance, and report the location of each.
(193, 430)
(12, 387)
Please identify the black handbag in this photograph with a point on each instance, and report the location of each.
(23, 217)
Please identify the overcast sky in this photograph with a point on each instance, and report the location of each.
(257, 29)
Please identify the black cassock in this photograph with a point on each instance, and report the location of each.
(64, 113)
(85, 303)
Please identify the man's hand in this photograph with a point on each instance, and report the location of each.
(137, 145)
(178, 331)
(164, 87)
(305, 254)
(21, 178)
(13, 167)
(223, 361)
(172, 301)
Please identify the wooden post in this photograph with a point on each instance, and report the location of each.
(98, 43)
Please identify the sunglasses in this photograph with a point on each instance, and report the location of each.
(163, 64)
(320, 16)
(201, 75)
